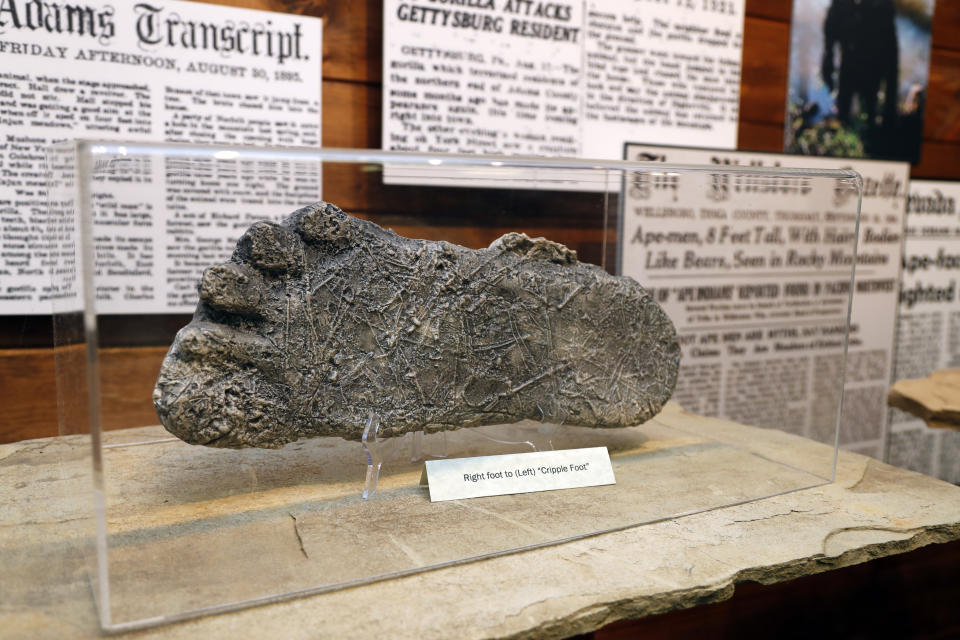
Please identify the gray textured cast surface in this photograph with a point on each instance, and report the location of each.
(317, 322)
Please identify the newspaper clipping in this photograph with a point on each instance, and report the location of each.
(160, 71)
(755, 271)
(574, 78)
(928, 328)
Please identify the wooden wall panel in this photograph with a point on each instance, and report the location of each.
(940, 161)
(28, 394)
(763, 79)
(946, 25)
(351, 114)
(778, 10)
(31, 398)
(760, 136)
(352, 71)
(352, 39)
(127, 378)
(941, 121)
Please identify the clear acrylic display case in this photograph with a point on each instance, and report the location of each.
(177, 531)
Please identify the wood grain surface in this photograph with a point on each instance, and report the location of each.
(352, 75)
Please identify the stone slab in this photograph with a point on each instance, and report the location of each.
(935, 399)
(871, 510)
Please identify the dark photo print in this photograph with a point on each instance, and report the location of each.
(858, 78)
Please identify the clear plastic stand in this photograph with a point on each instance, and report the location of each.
(542, 440)
(374, 457)
(377, 450)
(416, 446)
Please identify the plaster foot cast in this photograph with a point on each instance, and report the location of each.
(317, 322)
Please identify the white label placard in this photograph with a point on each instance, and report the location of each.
(148, 72)
(461, 478)
(755, 272)
(570, 78)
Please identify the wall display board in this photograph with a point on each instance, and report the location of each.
(928, 328)
(760, 276)
(858, 78)
(573, 78)
(168, 70)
